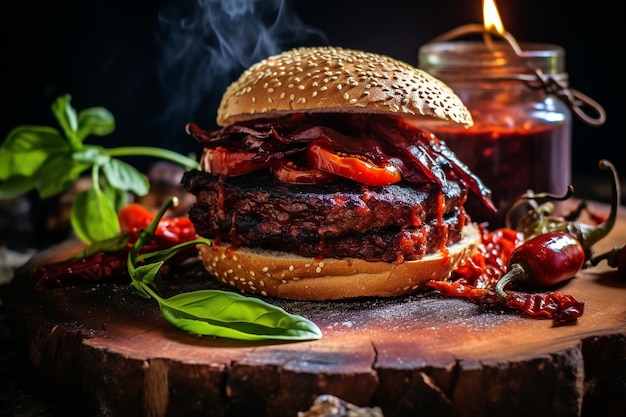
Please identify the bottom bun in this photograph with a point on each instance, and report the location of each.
(284, 275)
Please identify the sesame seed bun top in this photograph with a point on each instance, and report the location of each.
(333, 79)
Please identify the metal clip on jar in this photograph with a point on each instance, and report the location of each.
(522, 107)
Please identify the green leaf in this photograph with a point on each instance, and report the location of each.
(66, 116)
(16, 186)
(91, 154)
(58, 174)
(123, 176)
(231, 315)
(147, 273)
(120, 198)
(95, 121)
(26, 148)
(167, 253)
(93, 216)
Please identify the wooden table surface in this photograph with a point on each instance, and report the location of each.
(101, 351)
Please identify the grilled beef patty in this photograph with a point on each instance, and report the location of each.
(342, 220)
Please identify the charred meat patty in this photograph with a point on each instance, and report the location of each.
(345, 219)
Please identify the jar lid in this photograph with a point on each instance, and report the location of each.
(460, 59)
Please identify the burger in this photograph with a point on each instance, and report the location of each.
(322, 183)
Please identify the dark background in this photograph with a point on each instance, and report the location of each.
(157, 65)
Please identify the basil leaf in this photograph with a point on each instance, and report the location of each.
(16, 186)
(95, 121)
(91, 154)
(58, 174)
(66, 116)
(119, 197)
(167, 253)
(26, 148)
(147, 273)
(228, 314)
(123, 176)
(93, 216)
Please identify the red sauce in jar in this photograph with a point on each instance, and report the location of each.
(510, 161)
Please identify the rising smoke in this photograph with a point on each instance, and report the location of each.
(206, 44)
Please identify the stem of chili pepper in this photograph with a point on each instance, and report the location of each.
(590, 235)
(615, 258)
(531, 198)
(543, 261)
(539, 219)
(146, 235)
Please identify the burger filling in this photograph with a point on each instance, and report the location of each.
(331, 185)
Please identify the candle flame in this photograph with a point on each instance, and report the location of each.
(491, 17)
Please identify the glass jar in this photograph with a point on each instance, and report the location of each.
(521, 138)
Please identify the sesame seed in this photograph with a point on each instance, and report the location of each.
(291, 268)
(265, 269)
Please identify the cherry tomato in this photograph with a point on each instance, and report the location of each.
(290, 172)
(221, 161)
(355, 167)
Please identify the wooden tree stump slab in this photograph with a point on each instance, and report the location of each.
(98, 350)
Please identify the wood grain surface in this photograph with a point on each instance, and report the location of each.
(97, 350)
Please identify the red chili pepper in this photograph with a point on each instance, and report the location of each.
(106, 265)
(615, 258)
(562, 308)
(172, 230)
(544, 261)
(99, 266)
